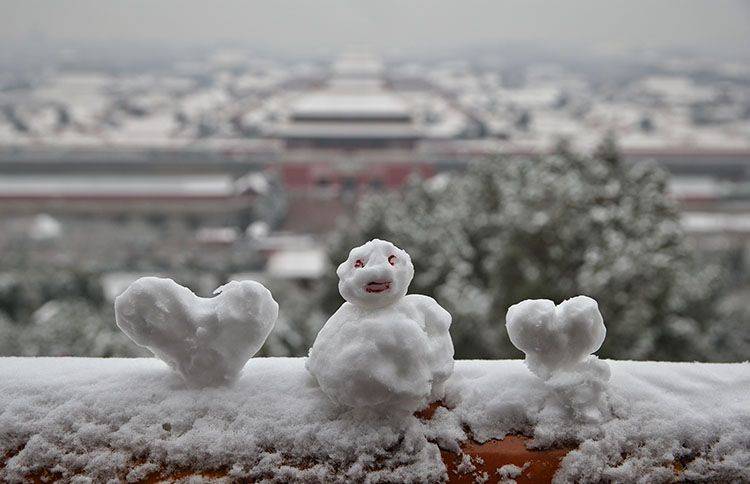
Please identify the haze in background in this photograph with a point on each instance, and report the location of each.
(718, 28)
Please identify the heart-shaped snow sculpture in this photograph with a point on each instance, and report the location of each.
(206, 340)
(555, 337)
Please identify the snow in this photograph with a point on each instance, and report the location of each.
(712, 223)
(465, 466)
(555, 338)
(509, 472)
(100, 418)
(333, 103)
(309, 263)
(204, 101)
(377, 260)
(676, 89)
(558, 342)
(347, 130)
(662, 412)
(45, 227)
(206, 340)
(382, 349)
(217, 235)
(155, 126)
(120, 185)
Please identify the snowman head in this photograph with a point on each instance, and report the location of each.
(376, 274)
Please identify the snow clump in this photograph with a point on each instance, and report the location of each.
(382, 349)
(558, 342)
(206, 340)
(507, 474)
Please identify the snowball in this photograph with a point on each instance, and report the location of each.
(382, 349)
(206, 340)
(555, 337)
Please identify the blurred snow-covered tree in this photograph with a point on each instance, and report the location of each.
(24, 290)
(547, 227)
(299, 321)
(729, 339)
(8, 337)
(74, 328)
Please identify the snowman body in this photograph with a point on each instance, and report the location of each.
(382, 348)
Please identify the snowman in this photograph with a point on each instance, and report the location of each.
(382, 349)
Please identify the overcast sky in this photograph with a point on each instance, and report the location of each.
(309, 26)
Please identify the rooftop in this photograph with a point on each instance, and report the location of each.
(161, 186)
(297, 264)
(375, 104)
(342, 130)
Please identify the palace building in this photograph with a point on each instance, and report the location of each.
(353, 111)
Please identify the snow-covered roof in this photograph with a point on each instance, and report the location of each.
(712, 223)
(297, 264)
(119, 185)
(333, 103)
(347, 130)
(677, 89)
(134, 419)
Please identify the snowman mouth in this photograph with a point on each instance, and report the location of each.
(376, 287)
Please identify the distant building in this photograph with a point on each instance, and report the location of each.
(354, 111)
(196, 199)
(337, 119)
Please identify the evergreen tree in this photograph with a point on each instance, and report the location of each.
(8, 337)
(73, 327)
(548, 227)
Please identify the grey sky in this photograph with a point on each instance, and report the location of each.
(307, 26)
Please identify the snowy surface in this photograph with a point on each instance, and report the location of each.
(206, 340)
(382, 348)
(120, 185)
(129, 417)
(333, 103)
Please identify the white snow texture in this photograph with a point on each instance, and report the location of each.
(555, 337)
(382, 349)
(558, 342)
(99, 419)
(206, 340)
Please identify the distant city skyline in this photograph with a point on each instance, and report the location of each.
(719, 28)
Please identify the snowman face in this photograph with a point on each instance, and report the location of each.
(375, 275)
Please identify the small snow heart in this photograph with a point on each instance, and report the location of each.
(206, 340)
(555, 337)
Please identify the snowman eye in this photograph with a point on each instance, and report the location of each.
(359, 264)
(392, 260)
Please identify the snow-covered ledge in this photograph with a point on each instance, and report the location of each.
(136, 420)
